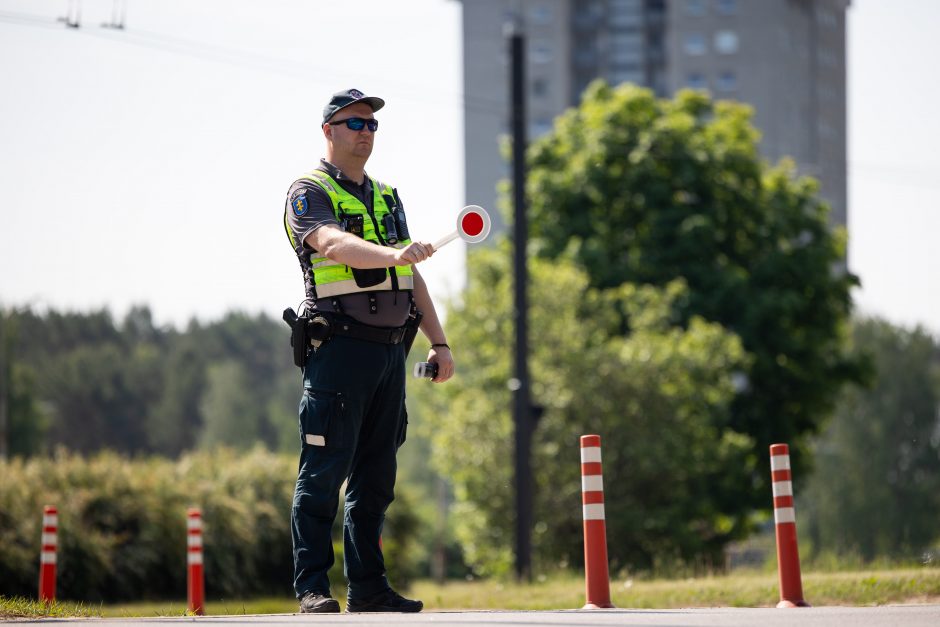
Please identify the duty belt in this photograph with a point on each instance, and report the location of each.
(360, 331)
(311, 329)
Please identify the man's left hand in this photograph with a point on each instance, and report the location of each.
(441, 356)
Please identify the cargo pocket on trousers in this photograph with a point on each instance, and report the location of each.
(403, 429)
(322, 416)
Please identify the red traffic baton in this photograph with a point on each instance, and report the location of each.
(473, 226)
(596, 574)
(195, 588)
(788, 554)
(47, 554)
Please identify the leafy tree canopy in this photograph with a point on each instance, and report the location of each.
(659, 397)
(646, 191)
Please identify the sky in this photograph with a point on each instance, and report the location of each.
(149, 165)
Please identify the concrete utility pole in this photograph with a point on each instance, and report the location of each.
(522, 408)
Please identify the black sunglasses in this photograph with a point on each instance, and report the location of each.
(357, 124)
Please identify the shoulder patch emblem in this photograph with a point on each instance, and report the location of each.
(300, 205)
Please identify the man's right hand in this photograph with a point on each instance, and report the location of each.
(414, 252)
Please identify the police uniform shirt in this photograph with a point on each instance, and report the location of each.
(392, 307)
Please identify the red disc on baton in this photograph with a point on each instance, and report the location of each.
(473, 224)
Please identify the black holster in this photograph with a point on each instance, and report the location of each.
(298, 329)
(306, 332)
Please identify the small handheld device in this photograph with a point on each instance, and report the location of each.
(425, 369)
(391, 229)
(353, 224)
(400, 219)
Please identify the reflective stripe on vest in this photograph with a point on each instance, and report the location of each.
(334, 279)
(349, 286)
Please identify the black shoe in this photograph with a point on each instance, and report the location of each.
(388, 601)
(316, 603)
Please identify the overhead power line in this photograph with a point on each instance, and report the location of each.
(245, 59)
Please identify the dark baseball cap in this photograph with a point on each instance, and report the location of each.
(343, 99)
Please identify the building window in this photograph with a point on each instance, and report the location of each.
(588, 13)
(827, 57)
(541, 52)
(654, 40)
(630, 56)
(541, 14)
(540, 87)
(726, 41)
(625, 20)
(727, 7)
(727, 81)
(696, 80)
(695, 7)
(694, 44)
(626, 41)
(585, 56)
(540, 127)
(826, 18)
(625, 13)
(624, 75)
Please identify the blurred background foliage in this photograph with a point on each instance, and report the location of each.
(689, 303)
(660, 396)
(875, 490)
(122, 525)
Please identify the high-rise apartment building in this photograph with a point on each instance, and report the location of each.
(786, 58)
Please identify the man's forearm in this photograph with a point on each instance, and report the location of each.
(355, 252)
(350, 250)
(430, 323)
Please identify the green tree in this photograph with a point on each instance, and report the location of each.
(95, 402)
(876, 489)
(230, 411)
(24, 423)
(644, 190)
(175, 420)
(261, 347)
(82, 381)
(658, 397)
(28, 422)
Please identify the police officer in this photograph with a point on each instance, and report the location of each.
(351, 237)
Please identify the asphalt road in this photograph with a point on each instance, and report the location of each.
(883, 616)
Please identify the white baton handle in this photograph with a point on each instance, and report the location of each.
(447, 239)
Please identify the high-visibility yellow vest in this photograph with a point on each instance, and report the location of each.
(331, 278)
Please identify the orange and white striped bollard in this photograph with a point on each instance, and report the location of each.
(788, 555)
(596, 575)
(195, 577)
(47, 554)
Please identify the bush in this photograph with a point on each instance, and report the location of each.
(122, 524)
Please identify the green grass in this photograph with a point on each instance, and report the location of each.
(752, 589)
(742, 589)
(28, 608)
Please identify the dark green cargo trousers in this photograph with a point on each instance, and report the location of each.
(352, 421)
